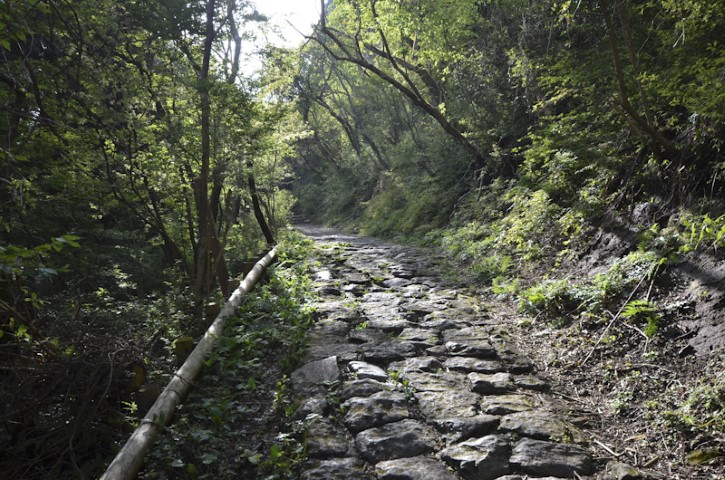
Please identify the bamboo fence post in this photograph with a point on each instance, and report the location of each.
(129, 460)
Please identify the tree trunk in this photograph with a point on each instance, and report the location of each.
(661, 146)
(210, 256)
(257, 208)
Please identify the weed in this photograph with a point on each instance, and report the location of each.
(403, 383)
(644, 311)
(246, 374)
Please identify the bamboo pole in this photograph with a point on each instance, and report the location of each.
(129, 460)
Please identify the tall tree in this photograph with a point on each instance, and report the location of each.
(376, 36)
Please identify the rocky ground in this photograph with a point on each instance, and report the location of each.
(407, 377)
(410, 377)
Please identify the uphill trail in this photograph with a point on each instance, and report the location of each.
(406, 377)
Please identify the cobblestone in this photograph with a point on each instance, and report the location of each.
(426, 384)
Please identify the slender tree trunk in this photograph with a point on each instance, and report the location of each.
(634, 60)
(661, 146)
(202, 284)
(256, 206)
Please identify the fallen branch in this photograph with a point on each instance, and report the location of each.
(614, 319)
(607, 449)
(129, 460)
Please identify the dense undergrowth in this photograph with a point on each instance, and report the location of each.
(104, 324)
(228, 426)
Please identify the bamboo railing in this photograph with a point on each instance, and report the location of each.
(129, 460)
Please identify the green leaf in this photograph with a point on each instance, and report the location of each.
(275, 452)
(22, 332)
(47, 271)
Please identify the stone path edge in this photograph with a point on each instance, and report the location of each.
(405, 378)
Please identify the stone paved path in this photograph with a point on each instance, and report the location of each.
(406, 379)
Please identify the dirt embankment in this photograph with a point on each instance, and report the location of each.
(655, 402)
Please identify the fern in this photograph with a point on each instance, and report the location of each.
(644, 310)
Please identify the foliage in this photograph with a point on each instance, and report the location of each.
(643, 311)
(698, 411)
(562, 300)
(595, 117)
(102, 133)
(704, 232)
(244, 385)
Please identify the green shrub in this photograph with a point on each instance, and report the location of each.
(557, 300)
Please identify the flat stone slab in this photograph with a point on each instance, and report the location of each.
(381, 298)
(538, 457)
(366, 334)
(526, 477)
(375, 410)
(541, 425)
(417, 364)
(335, 310)
(329, 290)
(406, 438)
(413, 468)
(421, 335)
(396, 282)
(491, 383)
(326, 440)
(387, 352)
(388, 323)
(323, 275)
(468, 334)
(447, 404)
(455, 429)
(358, 278)
(505, 404)
(469, 364)
(315, 374)
(337, 469)
(485, 458)
(471, 349)
(530, 382)
(437, 351)
(417, 310)
(437, 382)
(362, 388)
(362, 370)
(469, 342)
(403, 273)
(355, 289)
(330, 328)
(312, 404)
(440, 324)
(514, 361)
(320, 351)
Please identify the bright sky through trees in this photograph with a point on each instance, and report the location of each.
(290, 20)
(301, 14)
